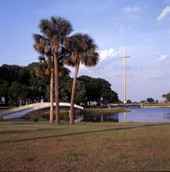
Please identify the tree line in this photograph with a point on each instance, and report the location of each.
(21, 85)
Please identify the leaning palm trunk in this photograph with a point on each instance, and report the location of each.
(73, 94)
(52, 97)
(56, 89)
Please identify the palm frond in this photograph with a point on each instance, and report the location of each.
(62, 26)
(83, 49)
(91, 59)
(63, 71)
(42, 59)
(45, 27)
(42, 44)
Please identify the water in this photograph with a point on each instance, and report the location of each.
(136, 115)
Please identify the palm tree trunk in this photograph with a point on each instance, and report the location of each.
(56, 89)
(73, 94)
(52, 97)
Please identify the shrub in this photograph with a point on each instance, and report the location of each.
(36, 117)
(1, 118)
(45, 115)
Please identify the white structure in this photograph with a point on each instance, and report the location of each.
(23, 110)
(125, 101)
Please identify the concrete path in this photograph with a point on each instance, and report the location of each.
(16, 115)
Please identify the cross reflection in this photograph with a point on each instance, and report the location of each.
(125, 116)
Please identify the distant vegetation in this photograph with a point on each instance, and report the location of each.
(166, 97)
(23, 85)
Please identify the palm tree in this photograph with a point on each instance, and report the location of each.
(83, 51)
(46, 67)
(56, 31)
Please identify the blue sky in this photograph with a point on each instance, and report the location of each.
(143, 27)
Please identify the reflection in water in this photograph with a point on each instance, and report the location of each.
(168, 115)
(125, 116)
(102, 118)
(136, 115)
(146, 115)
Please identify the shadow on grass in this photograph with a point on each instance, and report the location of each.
(157, 125)
(78, 133)
(23, 131)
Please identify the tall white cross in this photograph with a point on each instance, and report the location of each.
(125, 101)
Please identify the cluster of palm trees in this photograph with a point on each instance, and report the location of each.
(57, 48)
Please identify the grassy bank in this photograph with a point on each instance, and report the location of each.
(155, 104)
(5, 108)
(103, 111)
(102, 148)
(80, 124)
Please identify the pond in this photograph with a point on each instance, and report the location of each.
(136, 115)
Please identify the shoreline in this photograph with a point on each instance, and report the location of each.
(150, 106)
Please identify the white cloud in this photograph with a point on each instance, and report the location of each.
(163, 14)
(132, 12)
(108, 53)
(163, 57)
(128, 10)
(134, 17)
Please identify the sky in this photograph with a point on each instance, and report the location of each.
(140, 26)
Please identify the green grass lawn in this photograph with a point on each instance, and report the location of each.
(102, 147)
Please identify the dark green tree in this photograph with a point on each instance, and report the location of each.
(93, 87)
(150, 100)
(26, 77)
(65, 87)
(164, 96)
(4, 90)
(19, 92)
(167, 96)
(97, 89)
(129, 101)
